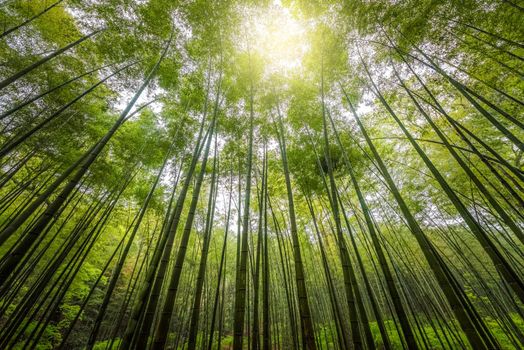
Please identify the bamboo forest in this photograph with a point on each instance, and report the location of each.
(272, 174)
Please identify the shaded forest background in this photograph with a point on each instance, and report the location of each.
(274, 174)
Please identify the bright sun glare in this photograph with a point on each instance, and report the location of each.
(277, 36)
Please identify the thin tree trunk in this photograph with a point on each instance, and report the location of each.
(162, 329)
(305, 312)
(241, 276)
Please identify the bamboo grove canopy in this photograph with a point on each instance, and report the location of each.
(289, 174)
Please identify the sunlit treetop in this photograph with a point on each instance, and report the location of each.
(275, 34)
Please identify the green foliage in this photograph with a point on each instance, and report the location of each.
(288, 64)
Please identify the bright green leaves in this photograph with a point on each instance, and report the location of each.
(56, 25)
(158, 16)
(328, 56)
